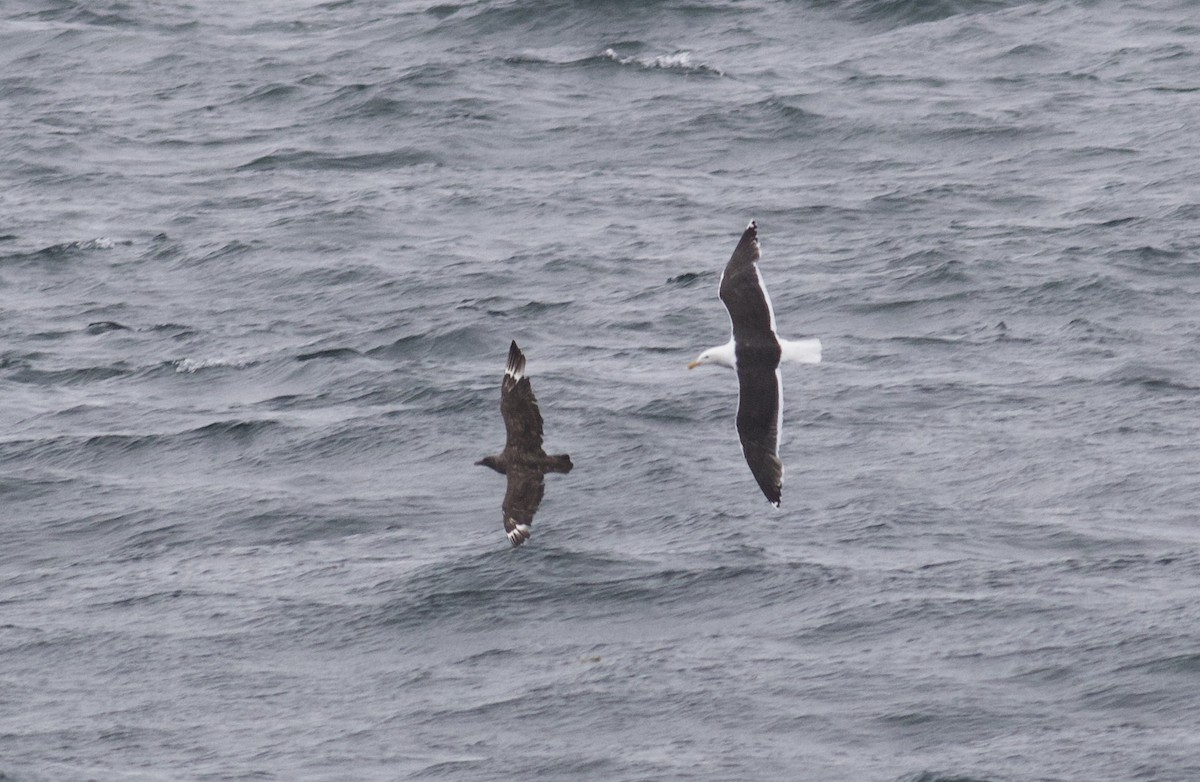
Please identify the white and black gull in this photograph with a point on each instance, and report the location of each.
(755, 351)
(523, 461)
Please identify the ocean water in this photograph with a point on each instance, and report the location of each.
(260, 264)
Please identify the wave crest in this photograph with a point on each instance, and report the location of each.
(680, 61)
(191, 366)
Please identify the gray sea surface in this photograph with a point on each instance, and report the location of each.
(260, 264)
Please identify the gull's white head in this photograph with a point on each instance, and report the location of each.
(721, 355)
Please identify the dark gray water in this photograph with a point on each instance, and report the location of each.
(260, 264)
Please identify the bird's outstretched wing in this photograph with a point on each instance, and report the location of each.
(519, 407)
(744, 295)
(525, 490)
(760, 400)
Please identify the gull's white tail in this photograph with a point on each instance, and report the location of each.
(801, 351)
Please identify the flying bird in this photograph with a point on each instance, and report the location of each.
(754, 351)
(522, 460)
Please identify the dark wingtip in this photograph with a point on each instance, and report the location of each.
(747, 246)
(774, 494)
(516, 361)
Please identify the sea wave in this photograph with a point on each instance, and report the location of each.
(365, 161)
(62, 251)
(906, 12)
(677, 62)
(625, 54)
(191, 366)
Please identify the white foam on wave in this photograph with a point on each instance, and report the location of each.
(99, 243)
(191, 366)
(679, 61)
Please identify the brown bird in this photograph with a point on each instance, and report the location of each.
(522, 460)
